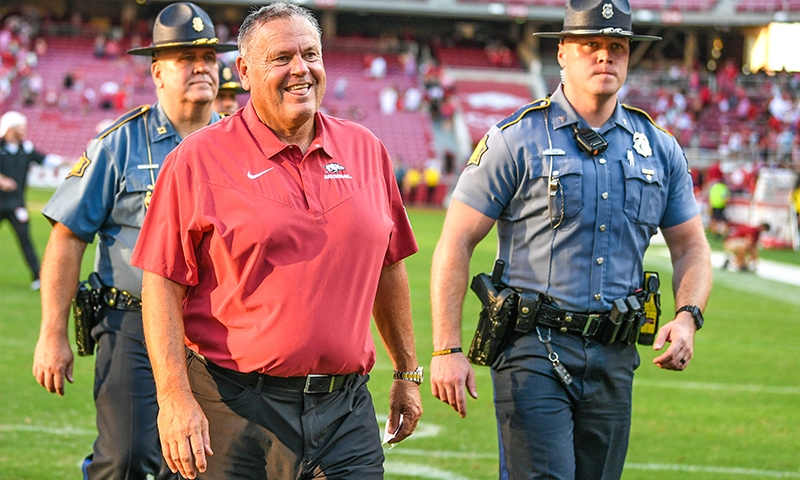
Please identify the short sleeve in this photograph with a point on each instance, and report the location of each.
(681, 204)
(402, 243)
(86, 197)
(490, 179)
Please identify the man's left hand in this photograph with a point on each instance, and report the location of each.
(404, 399)
(680, 334)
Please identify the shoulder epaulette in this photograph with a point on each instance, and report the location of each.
(124, 118)
(522, 111)
(634, 109)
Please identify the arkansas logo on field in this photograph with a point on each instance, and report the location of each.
(335, 170)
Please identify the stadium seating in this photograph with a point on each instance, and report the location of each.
(472, 57)
(762, 6)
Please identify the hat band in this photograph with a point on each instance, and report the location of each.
(199, 41)
(601, 31)
(230, 85)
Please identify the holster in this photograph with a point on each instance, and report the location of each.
(85, 311)
(495, 321)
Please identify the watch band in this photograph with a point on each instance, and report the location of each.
(416, 376)
(697, 315)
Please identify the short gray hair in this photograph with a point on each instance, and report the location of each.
(270, 12)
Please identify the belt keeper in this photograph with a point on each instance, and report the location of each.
(588, 331)
(259, 385)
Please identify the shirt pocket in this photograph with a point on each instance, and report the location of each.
(644, 193)
(568, 177)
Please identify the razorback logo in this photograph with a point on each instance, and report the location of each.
(334, 168)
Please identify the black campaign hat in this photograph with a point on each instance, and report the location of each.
(227, 79)
(597, 17)
(183, 24)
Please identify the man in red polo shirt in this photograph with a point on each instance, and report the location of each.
(741, 245)
(270, 240)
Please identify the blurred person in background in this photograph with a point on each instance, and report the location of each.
(227, 101)
(106, 194)
(16, 156)
(741, 245)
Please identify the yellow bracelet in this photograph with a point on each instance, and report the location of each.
(446, 351)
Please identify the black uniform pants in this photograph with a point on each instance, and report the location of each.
(24, 236)
(127, 445)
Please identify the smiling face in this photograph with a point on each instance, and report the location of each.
(186, 75)
(285, 75)
(594, 67)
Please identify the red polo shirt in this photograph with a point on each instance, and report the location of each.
(281, 251)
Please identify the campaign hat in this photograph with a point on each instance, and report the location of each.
(181, 25)
(228, 80)
(598, 17)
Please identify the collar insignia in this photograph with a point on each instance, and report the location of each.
(641, 144)
(161, 130)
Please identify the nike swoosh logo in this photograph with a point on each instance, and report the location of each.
(253, 177)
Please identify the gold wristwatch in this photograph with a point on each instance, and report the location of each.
(416, 376)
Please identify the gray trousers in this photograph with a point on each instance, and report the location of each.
(548, 431)
(127, 445)
(258, 432)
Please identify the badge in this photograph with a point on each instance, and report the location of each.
(197, 24)
(148, 196)
(226, 74)
(641, 144)
(608, 11)
(161, 130)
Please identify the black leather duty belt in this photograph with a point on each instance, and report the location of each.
(308, 384)
(585, 324)
(120, 300)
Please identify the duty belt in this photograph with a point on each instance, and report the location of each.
(585, 324)
(308, 384)
(120, 300)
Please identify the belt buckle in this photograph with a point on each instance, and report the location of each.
(315, 387)
(594, 319)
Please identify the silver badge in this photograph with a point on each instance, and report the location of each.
(641, 144)
(608, 11)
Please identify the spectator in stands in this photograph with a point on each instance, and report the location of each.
(16, 156)
(106, 195)
(227, 101)
(741, 245)
(412, 99)
(387, 98)
(100, 46)
(377, 67)
(570, 263)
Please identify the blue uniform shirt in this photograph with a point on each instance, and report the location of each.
(611, 203)
(106, 190)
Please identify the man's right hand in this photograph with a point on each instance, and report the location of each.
(52, 362)
(450, 374)
(183, 430)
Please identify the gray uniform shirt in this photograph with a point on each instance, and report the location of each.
(105, 192)
(608, 206)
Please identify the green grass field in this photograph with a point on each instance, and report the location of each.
(734, 414)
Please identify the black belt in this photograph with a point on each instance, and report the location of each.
(308, 384)
(585, 324)
(120, 300)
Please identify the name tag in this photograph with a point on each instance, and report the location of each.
(647, 171)
(554, 151)
(147, 167)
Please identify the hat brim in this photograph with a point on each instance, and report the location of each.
(218, 47)
(232, 87)
(596, 33)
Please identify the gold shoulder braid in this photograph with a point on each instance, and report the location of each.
(149, 194)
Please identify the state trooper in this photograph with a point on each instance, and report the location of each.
(227, 101)
(107, 194)
(577, 184)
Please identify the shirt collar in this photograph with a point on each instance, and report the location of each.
(160, 126)
(269, 142)
(564, 114)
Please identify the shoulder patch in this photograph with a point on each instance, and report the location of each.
(642, 112)
(480, 149)
(522, 111)
(80, 168)
(124, 118)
